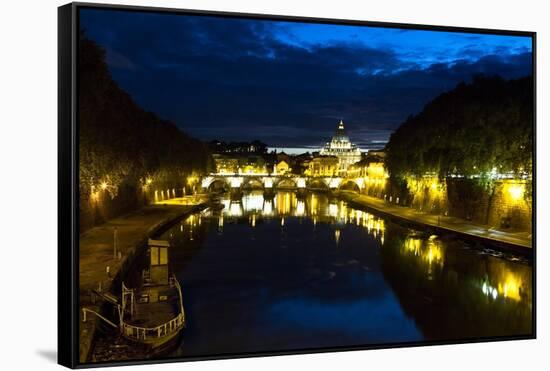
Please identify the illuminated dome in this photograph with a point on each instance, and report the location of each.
(341, 147)
(340, 134)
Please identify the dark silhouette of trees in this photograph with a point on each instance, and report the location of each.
(475, 129)
(254, 147)
(121, 146)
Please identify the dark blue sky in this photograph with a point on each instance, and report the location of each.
(288, 84)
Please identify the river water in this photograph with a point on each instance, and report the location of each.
(295, 272)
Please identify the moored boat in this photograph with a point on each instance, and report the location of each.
(152, 313)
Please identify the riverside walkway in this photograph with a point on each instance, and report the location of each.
(523, 240)
(98, 263)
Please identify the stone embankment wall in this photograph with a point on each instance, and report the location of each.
(102, 206)
(504, 204)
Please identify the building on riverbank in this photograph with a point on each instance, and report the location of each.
(343, 149)
(240, 164)
(281, 168)
(326, 166)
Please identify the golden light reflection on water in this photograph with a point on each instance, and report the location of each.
(490, 278)
(285, 202)
(300, 208)
(505, 284)
(268, 208)
(320, 208)
(235, 209)
(193, 221)
(498, 281)
(429, 252)
(313, 205)
(511, 287)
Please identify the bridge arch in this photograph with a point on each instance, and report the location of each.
(286, 183)
(252, 183)
(218, 184)
(206, 181)
(350, 185)
(318, 183)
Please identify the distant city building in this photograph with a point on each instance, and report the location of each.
(252, 165)
(301, 163)
(240, 164)
(323, 166)
(341, 147)
(281, 156)
(226, 165)
(281, 168)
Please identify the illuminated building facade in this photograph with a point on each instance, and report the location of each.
(225, 165)
(282, 168)
(341, 147)
(252, 164)
(323, 166)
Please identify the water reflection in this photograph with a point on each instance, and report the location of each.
(428, 251)
(507, 284)
(499, 279)
(317, 207)
(293, 271)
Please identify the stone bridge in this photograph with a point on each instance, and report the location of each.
(243, 181)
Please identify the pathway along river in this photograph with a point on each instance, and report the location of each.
(291, 272)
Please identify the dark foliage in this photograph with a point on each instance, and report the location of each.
(254, 147)
(120, 143)
(475, 129)
(125, 153)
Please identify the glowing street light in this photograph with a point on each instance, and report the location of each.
(516, 191)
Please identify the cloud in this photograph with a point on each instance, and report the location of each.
(232, 78)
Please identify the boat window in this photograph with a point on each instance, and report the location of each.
(163, 256)
(154, 256)
(144, 298)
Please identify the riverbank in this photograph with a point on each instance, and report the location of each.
(509, 240)
(98, 264)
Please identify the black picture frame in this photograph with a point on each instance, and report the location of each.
(68, 218)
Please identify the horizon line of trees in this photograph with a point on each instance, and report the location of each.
(253, 147)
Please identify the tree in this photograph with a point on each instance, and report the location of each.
(480, 128)
(120, 144)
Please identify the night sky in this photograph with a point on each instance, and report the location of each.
(288, 84)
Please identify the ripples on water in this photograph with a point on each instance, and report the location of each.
(307, 271)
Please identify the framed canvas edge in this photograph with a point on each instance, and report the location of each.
(68, 218)
(67, 233)
(304, 19)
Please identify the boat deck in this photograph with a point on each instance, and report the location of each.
(155, 313)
